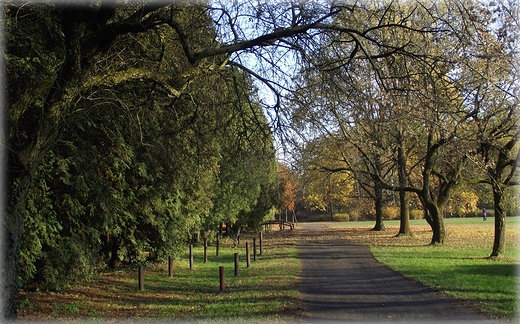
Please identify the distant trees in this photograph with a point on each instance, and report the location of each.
(326, 185)
(288, 189)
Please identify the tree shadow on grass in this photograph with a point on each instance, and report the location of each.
(491, 269)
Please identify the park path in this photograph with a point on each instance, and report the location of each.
(341, 281)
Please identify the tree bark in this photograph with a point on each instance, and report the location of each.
(378, 190)
(499, 242)
(404, 217)
(438, 228)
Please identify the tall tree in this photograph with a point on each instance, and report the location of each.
(493, 72)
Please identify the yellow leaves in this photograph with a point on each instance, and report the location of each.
(326, 190)
(315, 202)
(463, 202)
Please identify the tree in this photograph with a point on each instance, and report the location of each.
(495, 112)
(491, 79)
(366, 106)
(246, 167)
(326, 185)
(288, 189)
(430, 90)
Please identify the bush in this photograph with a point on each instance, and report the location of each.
(341, 217)
(416, 214)
(361, 209)
(390, 213)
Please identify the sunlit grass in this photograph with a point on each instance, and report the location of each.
(265, 291)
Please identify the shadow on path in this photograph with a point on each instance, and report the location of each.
(341, 281)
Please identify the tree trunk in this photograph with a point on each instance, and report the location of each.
(437, 225)
(404, 217)
(380, 226)
(114, 257)
(499, 242)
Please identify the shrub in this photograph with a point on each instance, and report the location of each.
(416, 214)
(361, 209)
(390, 213)
(341, 217)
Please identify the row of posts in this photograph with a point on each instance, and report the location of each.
(221, 268)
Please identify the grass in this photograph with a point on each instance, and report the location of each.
(265, 291)
(460, 268)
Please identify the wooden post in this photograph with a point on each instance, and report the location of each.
(248, 256)
(170, 266)
(205, 250)
(218, 242)
(191, 256)
(141, 277)
(260, 237)
(222, 279)
(236, 264)
(254, 248)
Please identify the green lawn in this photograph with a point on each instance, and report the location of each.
(266, 291)
(263, 292)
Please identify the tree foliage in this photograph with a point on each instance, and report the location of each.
(139, 166)
(411, 116)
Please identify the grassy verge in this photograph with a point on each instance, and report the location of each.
(265, 291)
(459, 268)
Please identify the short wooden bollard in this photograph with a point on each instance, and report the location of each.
(205, 250)
(140, 274)
(191, 256)
(260, 237)
(170, 266)
(222, 279)
(248, 255)
(218, 243)
(254, 249)
(236, 264)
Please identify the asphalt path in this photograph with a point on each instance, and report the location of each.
(340, 281)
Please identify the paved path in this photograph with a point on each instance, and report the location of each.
(341, 281)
